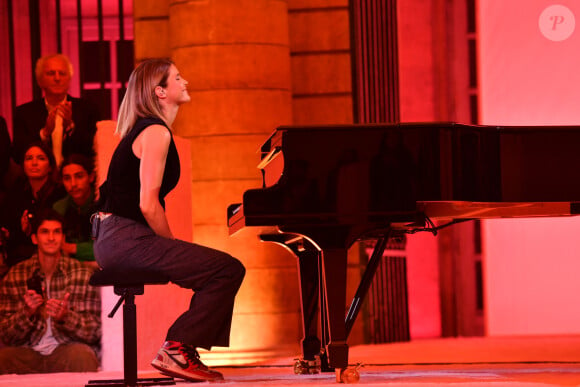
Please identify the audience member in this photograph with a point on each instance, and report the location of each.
(67, 124)
(4, 165)
(38, 189)
(78, 178)
(49, 314)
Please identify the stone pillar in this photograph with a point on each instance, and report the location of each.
(235, 55)
(151, 29)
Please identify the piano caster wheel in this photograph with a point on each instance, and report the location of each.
(348, 375)
(306, 367)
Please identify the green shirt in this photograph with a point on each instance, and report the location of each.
(77, 225)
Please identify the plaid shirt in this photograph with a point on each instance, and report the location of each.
(82, 323)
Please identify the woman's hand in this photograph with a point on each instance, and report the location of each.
(25, 223)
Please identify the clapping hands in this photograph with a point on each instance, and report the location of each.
(64, 110)
(55, 308)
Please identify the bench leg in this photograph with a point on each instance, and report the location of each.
(130, 353)
(130, 340)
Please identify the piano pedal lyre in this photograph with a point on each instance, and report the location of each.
(305, 367)
(348, 375)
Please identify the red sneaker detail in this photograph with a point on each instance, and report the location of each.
(182, 361)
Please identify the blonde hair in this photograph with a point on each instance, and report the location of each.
(39, 68)
(140, 99)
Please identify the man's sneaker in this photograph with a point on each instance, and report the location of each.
(182, 361)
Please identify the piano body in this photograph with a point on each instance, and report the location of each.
(325, 187)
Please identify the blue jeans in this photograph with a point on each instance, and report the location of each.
(213, 275)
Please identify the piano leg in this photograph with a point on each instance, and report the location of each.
(335, 327)
(333, 284)
(322, 274)
(308, 258)
(324, 366)
(308, 274)
(366, 281)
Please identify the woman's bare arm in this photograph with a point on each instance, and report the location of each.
(151, 146)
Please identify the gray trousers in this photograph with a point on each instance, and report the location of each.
(214, 276)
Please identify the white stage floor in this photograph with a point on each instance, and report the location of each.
(506, 361)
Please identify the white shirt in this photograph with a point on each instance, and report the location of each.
(47, 343)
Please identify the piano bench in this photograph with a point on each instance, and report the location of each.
(127, 285)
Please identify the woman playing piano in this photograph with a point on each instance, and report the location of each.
(132, 231)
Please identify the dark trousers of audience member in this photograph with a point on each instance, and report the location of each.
(73, 357)
(214, 276)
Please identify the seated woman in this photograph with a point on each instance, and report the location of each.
(38, 189)
(78, 179)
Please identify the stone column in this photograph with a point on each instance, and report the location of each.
(235, 55)
(151, 29)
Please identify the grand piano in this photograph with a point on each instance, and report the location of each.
(325, 187)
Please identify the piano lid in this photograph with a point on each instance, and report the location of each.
(361, 173)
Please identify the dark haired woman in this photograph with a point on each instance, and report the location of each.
(38, 189)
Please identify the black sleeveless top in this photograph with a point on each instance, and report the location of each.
(119, 194)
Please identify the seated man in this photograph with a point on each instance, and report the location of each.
(77, 207)
(65, 123)
(50, 317)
